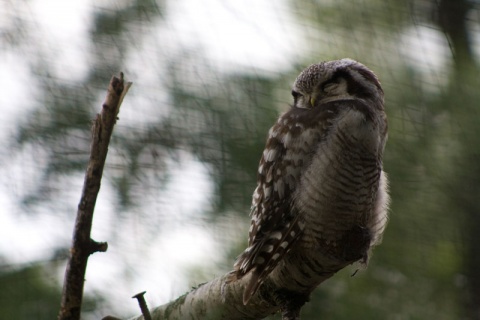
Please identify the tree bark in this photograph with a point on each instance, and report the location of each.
(213, 300)
(222, 299)
(82, 245)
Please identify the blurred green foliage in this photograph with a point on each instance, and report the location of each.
(31, 292)
(26, 295)
(428, 266)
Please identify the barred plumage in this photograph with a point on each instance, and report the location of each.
(321, 194)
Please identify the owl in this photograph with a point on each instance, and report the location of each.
(321, 198)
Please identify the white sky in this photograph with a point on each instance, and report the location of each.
(249, 33)
(257, 34)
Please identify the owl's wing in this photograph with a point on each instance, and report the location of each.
(275, 225)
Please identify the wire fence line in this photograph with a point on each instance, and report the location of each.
(210, 79)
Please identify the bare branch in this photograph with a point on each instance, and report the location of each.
(82, 245)
(222, 299)
(214, 300)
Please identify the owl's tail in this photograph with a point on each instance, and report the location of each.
(252, 286)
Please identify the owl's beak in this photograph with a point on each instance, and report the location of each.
(312, 101)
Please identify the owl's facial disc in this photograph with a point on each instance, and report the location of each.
(336, 89)
(315, 87)
(335, 80)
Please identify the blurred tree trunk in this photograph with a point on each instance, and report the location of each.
(462, 96)
(452, 18)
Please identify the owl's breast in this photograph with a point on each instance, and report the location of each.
(338, 188)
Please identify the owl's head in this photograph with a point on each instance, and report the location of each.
(336, 80)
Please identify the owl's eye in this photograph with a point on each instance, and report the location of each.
(296, 94)
(328, 86)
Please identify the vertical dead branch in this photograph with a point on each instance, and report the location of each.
(82, 245)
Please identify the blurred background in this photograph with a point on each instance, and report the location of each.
(210, 77)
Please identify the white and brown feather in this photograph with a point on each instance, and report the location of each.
(321, 188)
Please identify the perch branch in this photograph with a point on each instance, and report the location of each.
(220, 299)
(286, 289)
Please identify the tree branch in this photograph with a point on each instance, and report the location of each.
(284, 289)
(214, 300)
(82, 245)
